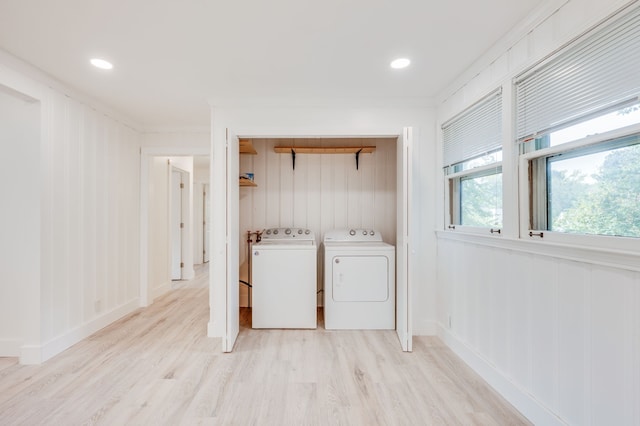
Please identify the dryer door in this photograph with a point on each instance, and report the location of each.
(360, 278)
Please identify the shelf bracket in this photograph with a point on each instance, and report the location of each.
(358, 158)
(293, 158)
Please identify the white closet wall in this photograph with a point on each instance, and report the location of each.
(324, 192)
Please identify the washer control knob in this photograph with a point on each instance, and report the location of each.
(307, 232)
(364, 232)
(268, 231)
(352, 232)
(371, 232)
(287, 231)
(299, 231)
(275, 232)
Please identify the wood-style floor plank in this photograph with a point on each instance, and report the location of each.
(157, 367)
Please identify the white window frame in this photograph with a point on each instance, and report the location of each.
(468, 150)
(452, 199)
(624, 244)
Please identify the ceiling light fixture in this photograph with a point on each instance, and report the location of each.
(400, 63)
(101, 63)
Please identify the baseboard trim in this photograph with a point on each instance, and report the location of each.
(70, 338)
(524, 402)
(10, 348)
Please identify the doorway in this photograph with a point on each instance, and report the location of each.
(167, 217)
(400, 206)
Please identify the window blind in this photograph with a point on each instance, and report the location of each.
(598, 72)
(476, 131)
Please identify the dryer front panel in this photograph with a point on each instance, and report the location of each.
(360, 278)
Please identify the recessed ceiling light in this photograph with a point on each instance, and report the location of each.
(400, 63)
(101, 63)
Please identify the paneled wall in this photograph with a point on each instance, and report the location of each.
(564, 333)
(324, 192)
(19, 216)
(554, 328)
(90, 196)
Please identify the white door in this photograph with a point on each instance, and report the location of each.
(403, 288)
(176, 224)
(205, 224)
(232, 326)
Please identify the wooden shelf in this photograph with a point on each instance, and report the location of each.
(324, 149)
(247, 183)
(246, 147)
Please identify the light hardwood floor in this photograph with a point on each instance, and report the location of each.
(156, 367)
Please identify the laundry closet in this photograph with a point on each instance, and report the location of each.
(344, 183)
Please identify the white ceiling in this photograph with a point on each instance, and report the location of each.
(171, 56)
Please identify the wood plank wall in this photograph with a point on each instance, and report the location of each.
(324, 192)
(90, 215)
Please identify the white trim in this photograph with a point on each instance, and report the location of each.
(33, 354)
(626, 246)
(531, 408)
(474, 170)
(583, 142)
(620, 259)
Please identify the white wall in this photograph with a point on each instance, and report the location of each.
(335, 120)
(555, 329)
(88, 171)
(324, 192)
(19, 215)
(89, 221)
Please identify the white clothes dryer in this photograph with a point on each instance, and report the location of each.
(359, 280)
(284, 279)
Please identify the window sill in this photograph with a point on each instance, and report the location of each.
(598, 256)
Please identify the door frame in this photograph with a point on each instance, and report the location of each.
(146, 154)
(184, 211)
(228, 161)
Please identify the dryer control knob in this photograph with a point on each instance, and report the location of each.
(268, 231)
(287, 231)
(352, 232)
(307, 232)
(371, 232)
(275, 232)
(364, 232)
(299, 231)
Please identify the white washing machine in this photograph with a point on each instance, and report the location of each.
(284, 279)
(359, 280)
